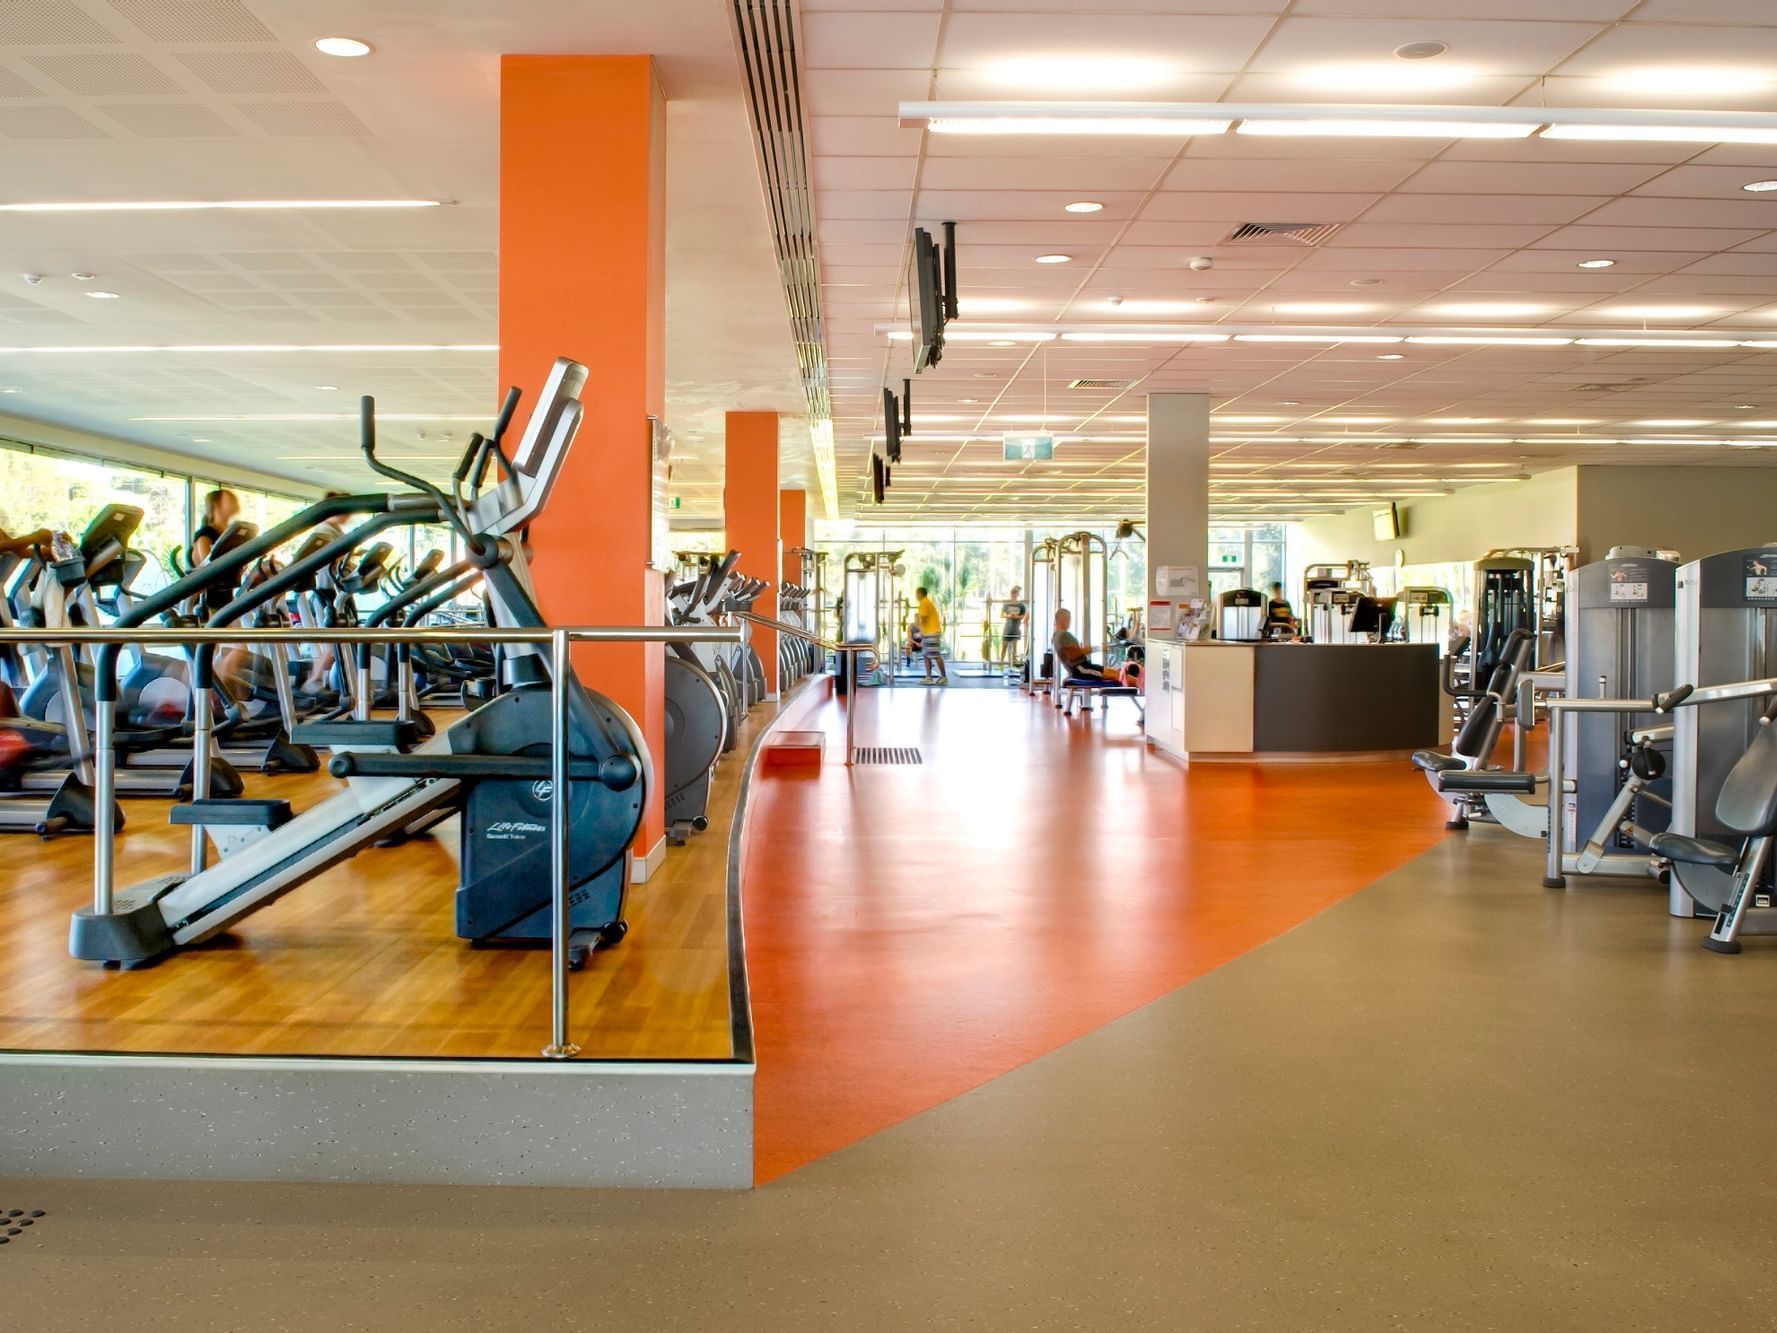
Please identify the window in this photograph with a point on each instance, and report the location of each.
(65, 494)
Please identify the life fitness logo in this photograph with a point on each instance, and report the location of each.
(543, 790)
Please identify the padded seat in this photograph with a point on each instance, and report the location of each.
(1487, 781)
(1434, 761)
(1694, 851)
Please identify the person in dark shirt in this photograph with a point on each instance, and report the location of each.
(1280, 620)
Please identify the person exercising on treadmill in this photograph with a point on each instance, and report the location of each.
(221, 507)
(1072, 661)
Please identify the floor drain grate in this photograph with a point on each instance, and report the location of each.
(13, 1222)
(887, 754)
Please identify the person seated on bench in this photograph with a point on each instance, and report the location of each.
(1072, 662)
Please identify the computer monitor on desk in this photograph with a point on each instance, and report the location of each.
(1372, 616)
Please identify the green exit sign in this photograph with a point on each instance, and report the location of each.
(1229, 557)
(1029, 448)
(674, 502)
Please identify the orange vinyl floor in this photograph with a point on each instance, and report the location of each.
(915, 931)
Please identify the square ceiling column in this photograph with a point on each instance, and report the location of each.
(583, 275)
(750, 515)
(1178, 487)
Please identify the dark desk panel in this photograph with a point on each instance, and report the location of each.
(1318, 698)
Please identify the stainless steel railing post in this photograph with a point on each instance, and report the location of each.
(851, 702)
(200, 769)
(560, 845)
(104, 806)
(1552, 875)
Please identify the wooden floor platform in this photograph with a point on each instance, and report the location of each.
(364, 961)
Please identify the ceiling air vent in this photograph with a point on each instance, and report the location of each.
(1604, 388)
(1102, 384)
(1280, 233)
(1402, 444)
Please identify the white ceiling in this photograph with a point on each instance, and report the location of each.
(1425, 226)
(121, 99)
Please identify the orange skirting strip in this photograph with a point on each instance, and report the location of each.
(913, 932)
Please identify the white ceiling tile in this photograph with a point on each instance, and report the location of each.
(1595, 11)
(1499, 208)
(1449, 235)
(1287, 87)
(1288, 175)
(1747, 211)
(1489, 47)
(1631, 46)
(871, 174)
(1266, 207)
(1079, 177)
(861, 136)
(862, 92)
(1527, 178)
(1604, 240)
(981, 83)
(1214, 43)
(870, 40)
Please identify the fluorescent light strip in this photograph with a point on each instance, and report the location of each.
(248, 348)
(1334, 119)
(323, 416)
(1365, 128)
(1173, 127)
(1661, 342)
(201, 205)
(1456, 340)
(1314, 338)
(1192, 337)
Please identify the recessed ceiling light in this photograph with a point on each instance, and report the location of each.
(1055, 259)
(1366, 282)
(1321, 307)
(1001, 342)
(1420, 50)
(1746, 407)
(1759, 187)
(200, 439)
(1392, 356)
(83, 277)
(1288, 402)
(1604, 263)
(102, 295)
(328, 388)
(8, 390)
(346, 47)
(1083, 206)
(968, 400)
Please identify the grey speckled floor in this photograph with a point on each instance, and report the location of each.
(1454, 1102)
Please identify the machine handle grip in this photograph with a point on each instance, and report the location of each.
(367, 426)
(507, 409)
(1665, 703)
(471, 452)
(1769, 716)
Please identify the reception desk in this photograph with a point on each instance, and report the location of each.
(1293, 700)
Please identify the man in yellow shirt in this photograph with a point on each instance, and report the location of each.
(931, 633)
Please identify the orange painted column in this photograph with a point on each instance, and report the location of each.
(750, 515)
(583, 275)
(792, 530)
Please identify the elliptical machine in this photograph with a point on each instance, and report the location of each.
(493, 765)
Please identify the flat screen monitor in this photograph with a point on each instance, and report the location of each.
(1388, 523)
(878, 477)
(891, 426)
(925, 299)
(1373, 616)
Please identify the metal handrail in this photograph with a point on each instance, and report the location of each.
(849, 650)
(559, 639)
